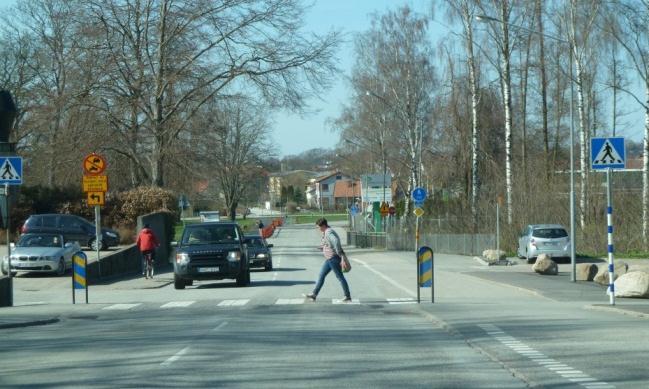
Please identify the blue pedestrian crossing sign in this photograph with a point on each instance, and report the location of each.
(607, 153)
(11, 170)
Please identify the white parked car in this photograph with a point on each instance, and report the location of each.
(210, 216)
(40, 252)
(550, 239)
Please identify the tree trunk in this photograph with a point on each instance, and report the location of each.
(507, 98)
(544, 91)
(582, 143)
(475, 136)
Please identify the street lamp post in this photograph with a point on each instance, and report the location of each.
(487, 19)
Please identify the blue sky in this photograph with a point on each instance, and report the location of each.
(294, 134)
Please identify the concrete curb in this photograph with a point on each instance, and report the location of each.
(622, 311)
(30, 323)
(502, 262)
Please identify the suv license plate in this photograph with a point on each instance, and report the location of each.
(208, 269)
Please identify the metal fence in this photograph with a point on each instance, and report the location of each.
(361, 235)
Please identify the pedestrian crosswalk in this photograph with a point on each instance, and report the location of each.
(246, 302)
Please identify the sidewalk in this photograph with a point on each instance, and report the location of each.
(521, 277)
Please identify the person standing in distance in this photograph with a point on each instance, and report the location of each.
(147, 242)
(332, 251)
(260, 226)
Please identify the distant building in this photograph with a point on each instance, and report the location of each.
(283, 179)
(346, 193)
(322, 190)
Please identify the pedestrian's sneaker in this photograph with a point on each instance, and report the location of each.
(347, 300)
(310, 297)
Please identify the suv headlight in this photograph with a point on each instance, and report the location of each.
(234, 256)
(261, 255)
(182, 258)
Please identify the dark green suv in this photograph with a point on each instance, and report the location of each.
(211, 251)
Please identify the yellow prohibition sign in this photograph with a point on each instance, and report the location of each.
(418, 212)
(94, 164)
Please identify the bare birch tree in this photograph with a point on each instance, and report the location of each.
(628, 22)
(466, 12)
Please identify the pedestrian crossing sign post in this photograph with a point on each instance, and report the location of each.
(11, 170)
(607, 153)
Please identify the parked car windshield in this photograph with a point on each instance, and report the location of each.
(210, 235)
(549, 233)
(34, 240)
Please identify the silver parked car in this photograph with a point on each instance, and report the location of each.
(550, 239)
(41, 252)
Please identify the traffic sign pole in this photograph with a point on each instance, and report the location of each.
(609, 154)
(11, 280)
(98, 237)
(609, 219)
(417, 255)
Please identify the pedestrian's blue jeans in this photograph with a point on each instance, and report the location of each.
(327, 266)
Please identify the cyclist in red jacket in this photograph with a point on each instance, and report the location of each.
(147, 242)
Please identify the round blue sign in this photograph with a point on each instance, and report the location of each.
(419, 194)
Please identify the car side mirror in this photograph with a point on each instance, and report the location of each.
(269, 245)
(68, 244)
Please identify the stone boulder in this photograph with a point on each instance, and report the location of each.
(602, 272)
(585, 271)
(636, 267)
(492, 256)
(545, 265)
(633, 284)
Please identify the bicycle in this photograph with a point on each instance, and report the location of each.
(148, 270)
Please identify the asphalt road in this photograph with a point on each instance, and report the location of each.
(489, 327)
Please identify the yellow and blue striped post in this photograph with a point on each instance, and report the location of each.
(79, 265)
(426, 270)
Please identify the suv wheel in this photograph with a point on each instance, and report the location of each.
(179, 283)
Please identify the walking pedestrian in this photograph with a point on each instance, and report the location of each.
(332, 251)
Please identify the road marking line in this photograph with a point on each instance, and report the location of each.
(29, 303)
(233, 303)
(175, 357)
(225, 323)
(177, 304)
(401, 300)
(121, 307)
(289, 301)
(388, 279)
(340, 301)
(558, 367)
(565, 371)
